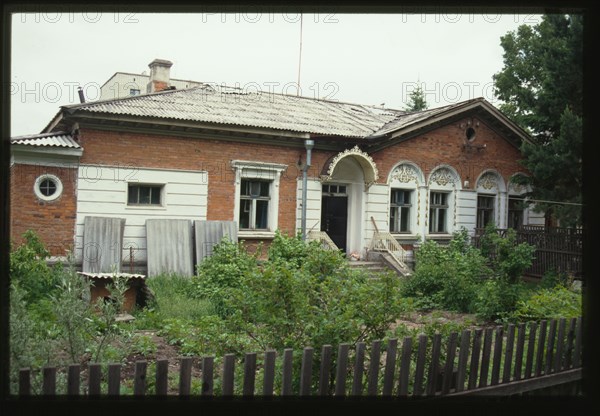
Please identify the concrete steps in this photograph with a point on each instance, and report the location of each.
(371, 267)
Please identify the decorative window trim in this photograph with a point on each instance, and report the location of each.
(444, 178)
(263, 171)
(57, 193)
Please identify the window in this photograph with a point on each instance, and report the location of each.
(438, 209)
(400, 207)
(485, 210)
(144, 195)
(515, 212)
(254, 204)
(47, 187)
(334, 189)
(133, 91)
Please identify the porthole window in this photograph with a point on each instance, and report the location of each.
(47, 187)
(470, 133)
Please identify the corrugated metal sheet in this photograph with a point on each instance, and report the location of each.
(59, 139)
(111, 275)
(102, 242)
(170, 247)
(210, 233)
(264, 110)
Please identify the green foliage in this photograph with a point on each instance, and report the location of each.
(28, 269)
(417, 101)
(175, 296)
(223, 271)
(497, 298)
(508, 259)
(541, 85)
(446, 276)
(554, 303)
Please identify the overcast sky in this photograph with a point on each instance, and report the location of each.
(361, 58)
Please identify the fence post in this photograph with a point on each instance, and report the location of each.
(24, 382)
(374, 368)
(49, 381)
(325, 369)
(114, 379)
(161, 381)
(420, 369)
(228, 374)
(139, 382)
(449, 367)
(390, 365)
(207, 376)
(540, 349)
(185, 376)
(530, 350)
(577, 354)
(405, 367)
(73, 379)
(269, 377)
(485, 357)
(435, 364)
(508, 354)
(463, 355)
(550, 348)
(249, 374)
(497, 356)
(342, 368)
(570, 341)
(359, 363)
(306, 371)
(474, 366)
(286, 379)
(560, 340)
(519, 353)
(94, 377)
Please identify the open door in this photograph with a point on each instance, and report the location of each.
(334, 218)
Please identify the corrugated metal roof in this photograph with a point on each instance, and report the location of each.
(111, 275)
(57, 139)
(231, 106)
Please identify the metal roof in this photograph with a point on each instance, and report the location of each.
(57, 139)
(233, 106)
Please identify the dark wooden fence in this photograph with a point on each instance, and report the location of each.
(558, 249)
(523, 358)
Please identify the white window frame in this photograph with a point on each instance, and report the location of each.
(53, 178)
(411, 208)
(445, 207)
(260, 171)
(493, 209)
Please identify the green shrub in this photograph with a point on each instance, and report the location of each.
(446, 276)
(497, 298)
(554, 303)
(507, 258)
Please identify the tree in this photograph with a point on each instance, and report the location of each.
(541, 86)
(417, 101)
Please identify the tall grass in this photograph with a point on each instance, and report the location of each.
(174, 298)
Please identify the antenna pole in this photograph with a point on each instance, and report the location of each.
(300, 57)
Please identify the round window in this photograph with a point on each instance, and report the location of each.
(470, 133)
(47, 187)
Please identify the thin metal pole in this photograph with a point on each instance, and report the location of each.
(309, 145)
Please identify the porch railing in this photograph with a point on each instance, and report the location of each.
(385, 241)
(322, 237)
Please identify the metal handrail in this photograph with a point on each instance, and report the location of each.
(323, 238)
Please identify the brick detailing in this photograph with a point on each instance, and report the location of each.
(53, 221)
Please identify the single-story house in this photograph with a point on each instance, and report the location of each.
(216, 154)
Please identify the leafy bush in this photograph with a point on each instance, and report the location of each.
(507, 258)
(554, 303)
(446, 276)
(497, 298)
(223, 271)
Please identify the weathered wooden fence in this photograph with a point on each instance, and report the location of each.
(559, 249)
(523, 358)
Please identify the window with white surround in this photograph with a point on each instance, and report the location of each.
(48, 187)
(257, 197)
(485, 210)
(400, 210)
(516, 207)
(144, 195)
(254, 204)
(438, 212)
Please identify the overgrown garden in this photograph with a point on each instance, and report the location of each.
(298, 295)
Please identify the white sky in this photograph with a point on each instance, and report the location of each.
(361, 58)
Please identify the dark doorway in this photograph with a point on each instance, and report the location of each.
(334, 218)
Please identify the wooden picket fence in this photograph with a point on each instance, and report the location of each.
(550, 356)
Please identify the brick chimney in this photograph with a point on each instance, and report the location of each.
(160, 75)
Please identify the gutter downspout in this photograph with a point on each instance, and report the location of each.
(308, 144)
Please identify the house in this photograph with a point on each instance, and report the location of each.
(218, 155)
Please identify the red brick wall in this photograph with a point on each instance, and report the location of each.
(444, 145)
(53, 221)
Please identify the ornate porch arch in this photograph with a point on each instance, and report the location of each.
(370, 171)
